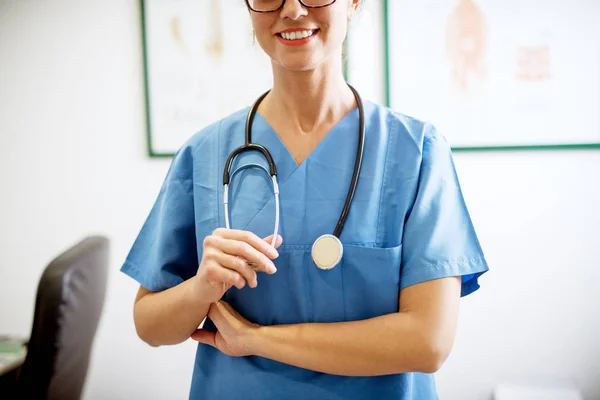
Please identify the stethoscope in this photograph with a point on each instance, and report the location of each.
(327, 250)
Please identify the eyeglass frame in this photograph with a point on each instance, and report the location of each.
(283, 3)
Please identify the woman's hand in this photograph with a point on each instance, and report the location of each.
(234, 332)
(225, 257)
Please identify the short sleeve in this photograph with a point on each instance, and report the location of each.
(164, 253)
(439, 239)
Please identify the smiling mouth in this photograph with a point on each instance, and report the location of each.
(297, 35)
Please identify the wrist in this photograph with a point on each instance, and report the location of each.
(256, 340)
(196, 292)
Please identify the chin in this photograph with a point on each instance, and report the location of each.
(297, 64)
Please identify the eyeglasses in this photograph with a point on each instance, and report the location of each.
(264, 6)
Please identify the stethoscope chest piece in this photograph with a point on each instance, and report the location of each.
(327, 252)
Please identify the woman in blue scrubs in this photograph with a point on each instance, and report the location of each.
(378, 324)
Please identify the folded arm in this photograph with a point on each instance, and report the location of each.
(418, 338)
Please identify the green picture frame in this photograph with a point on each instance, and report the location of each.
(389, 94)
(148, 118)
(150, 94)
(191, 74)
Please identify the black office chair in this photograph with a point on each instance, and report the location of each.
(69, 303)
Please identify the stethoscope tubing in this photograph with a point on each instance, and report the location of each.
(248, 146)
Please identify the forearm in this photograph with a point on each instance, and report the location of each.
(393, 343)
(170, 316)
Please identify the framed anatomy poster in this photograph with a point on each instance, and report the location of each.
(201, 64)
(365, 48)
(510, 74)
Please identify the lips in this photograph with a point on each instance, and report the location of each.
(297, 34)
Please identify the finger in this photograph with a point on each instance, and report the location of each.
(204, 336)
(215, 314)
(238, 265)
(250, 238)
(269, 240)
(278, 242)
(220, 274)
(244, 250)
(223, 304)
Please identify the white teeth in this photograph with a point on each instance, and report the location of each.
(296, 35)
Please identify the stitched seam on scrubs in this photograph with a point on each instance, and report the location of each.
(187, 184)
(429, 142)
(141, 275)
(343, 292)
(365, 245)
(272, 198)
(307, 296)
(287, 151)
(219, 192)
(384, 182)
(459, 262)
(422, 170)
(406, 120)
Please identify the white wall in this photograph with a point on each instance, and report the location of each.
(73, 162)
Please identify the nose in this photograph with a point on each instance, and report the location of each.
(293, 10)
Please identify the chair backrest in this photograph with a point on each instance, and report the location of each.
(69, 303)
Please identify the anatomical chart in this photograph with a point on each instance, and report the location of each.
(490, 73)
(365, 51)
(202, 64)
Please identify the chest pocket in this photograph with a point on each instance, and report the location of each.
(363, 285)
(371, 281)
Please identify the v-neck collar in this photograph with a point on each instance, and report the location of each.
(299, 183)
(284, 156)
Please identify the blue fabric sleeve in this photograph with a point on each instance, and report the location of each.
(439, 239)
(164, 253)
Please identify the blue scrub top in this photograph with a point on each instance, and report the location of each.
(408, 223)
